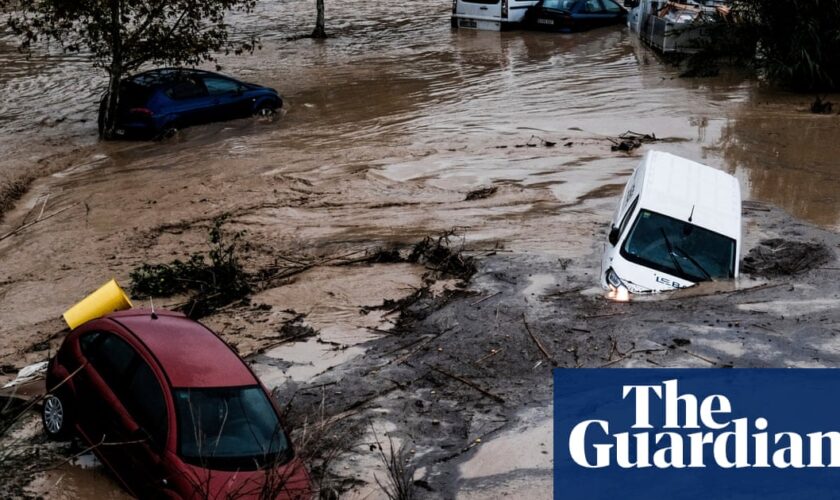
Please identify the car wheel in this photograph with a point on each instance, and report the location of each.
(167, 132)
(265, 110)
(55, 415)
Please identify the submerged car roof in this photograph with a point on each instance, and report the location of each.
(684, 189)
(189, 353)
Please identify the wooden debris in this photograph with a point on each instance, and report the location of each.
(537, 340)
(468, 383)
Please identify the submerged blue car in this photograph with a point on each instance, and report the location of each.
(573, 15)
(159, 102)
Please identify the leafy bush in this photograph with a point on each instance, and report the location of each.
(795, 43)
(213, 280)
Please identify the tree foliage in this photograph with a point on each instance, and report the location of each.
(794, 43)
(120, 36)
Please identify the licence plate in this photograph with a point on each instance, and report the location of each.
(467, 23)
(545, 21)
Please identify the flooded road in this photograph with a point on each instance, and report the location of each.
(397, 93)
(388, 126)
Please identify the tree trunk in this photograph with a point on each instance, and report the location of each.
(109, 107)
(319, 31)
(112, 99)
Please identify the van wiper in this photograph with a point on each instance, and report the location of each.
(671, 252)
(694, 261)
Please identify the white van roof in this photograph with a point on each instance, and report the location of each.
(676, 187)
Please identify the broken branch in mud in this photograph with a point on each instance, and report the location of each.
(418, 346)
(477, 302)
(493, 352)
(464, 381)
(102, 443)
(694, 355)
(537, 341)
(629, 354)
(39, 219)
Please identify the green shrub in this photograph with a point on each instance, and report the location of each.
(212, 280)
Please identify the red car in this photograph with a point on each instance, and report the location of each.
(171, 409)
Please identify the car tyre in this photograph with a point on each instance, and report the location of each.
(266, 110)
(167, 132)
(56, 417)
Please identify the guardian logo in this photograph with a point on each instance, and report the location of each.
(697, 434)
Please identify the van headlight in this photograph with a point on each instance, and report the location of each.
(613, 279)
(618, 291)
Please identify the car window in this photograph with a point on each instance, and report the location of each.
(187, 89)
(143, 398)
(233, 428)
(612, 7)
(559, 4)
(678, 248)
(219, 86)
(88, 344)
(593, 6)
(113, 358)
(627, 215)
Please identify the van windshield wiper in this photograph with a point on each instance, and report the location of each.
(694, 261)
(671, 252)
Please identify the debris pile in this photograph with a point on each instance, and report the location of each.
(628, 141)
(480, 194)
(439, 255)
(780, 257)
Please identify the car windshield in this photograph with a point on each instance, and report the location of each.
(558, 4)
(229, 428)
(679, 248)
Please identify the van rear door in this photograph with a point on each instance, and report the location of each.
(485, 10)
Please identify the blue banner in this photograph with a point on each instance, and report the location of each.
(702, 434)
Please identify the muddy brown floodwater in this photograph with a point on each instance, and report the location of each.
(388, 125)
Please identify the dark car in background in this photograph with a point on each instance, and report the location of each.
(171, 409)
(161, 101)
(573, 15)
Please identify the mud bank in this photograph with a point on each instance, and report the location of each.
(466, 378)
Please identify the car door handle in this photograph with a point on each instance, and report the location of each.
(482, 8)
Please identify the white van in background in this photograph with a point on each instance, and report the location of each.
(678, 223)
(494, 15)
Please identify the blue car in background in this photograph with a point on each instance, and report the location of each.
(573, 15)
(159, 102)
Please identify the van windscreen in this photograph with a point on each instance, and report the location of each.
(679, 248)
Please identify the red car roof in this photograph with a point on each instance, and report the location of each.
(189, 353)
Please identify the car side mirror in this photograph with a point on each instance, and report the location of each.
(613, 237)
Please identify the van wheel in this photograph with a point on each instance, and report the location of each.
(56, 417)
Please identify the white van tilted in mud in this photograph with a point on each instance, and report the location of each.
(494, 15)
(678, 223)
